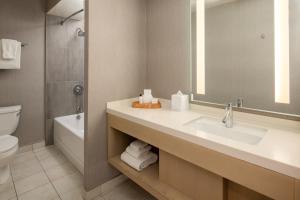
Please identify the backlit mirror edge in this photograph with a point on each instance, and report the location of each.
(193, 90)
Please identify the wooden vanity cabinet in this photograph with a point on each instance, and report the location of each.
(187, 171)
(297, 189)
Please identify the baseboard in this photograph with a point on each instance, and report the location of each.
(104, 188)
(32, 147)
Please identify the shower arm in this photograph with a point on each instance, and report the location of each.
(69, 17)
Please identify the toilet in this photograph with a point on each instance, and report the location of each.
(9, 120)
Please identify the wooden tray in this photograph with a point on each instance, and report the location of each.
(136, 104)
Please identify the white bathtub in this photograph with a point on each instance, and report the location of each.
(69, 138)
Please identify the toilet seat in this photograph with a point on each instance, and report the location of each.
(7, 143)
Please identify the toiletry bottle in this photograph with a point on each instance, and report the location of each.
(141, 99)
(147, 98)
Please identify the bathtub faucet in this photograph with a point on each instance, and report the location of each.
(78, 111)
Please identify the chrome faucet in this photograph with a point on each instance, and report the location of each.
(228, 118)
(78, 111)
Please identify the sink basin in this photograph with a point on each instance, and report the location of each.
(240, 132)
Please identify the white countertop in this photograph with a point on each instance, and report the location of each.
(279, 150)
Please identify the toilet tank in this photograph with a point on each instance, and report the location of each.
(9, 119)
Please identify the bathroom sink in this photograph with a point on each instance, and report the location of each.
(240, 132)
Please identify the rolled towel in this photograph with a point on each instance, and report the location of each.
(140, 153)
(141, 163)
(137, 145)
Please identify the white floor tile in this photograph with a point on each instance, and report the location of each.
(31, 182)
(54, 161)
(23, 157)
(25, 149)
(60, 171)
(7, 191)
(25, 169)
(128, 191)
(68, 183)
(31, 171)
(99, 198)
(38, 146)
(75, 194)
(45, 192)
(46, 152)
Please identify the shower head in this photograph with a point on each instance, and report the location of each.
(70, 17)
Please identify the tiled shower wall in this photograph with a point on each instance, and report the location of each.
(64, 69)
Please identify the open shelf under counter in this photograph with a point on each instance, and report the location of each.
(189, 171)
(149, 180)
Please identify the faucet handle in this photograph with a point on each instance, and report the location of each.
(229, 105)
(239, 102)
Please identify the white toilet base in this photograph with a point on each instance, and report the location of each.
(4, 174)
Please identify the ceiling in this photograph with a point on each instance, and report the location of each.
(65, 8)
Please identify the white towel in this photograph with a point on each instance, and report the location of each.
(9, 49)
(139, 164)
(140, 153)
(11, 64)
(137, 145)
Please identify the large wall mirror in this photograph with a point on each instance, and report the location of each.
(247, 49)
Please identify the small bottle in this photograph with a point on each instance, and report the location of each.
(147, 98)
(141, 99)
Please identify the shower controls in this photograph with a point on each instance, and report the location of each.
(78, 90)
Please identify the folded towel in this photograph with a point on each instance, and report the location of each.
(137, 145)
(141, 163)
(10, 64)
(9, 49)
(140, 153)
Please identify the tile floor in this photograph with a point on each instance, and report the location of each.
(45, 174)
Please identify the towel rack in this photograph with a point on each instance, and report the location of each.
(24, 44)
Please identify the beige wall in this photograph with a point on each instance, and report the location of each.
(168, 57)
(168, 37)
(25, 21)
(116, 60)
(117, 66)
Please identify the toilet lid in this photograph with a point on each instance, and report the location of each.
(7, 142)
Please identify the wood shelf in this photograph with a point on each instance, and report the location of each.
(149, 180)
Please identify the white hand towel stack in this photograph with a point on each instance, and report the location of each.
(138, 155)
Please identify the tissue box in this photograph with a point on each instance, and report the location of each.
(180, 102)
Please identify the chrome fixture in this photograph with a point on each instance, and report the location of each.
(67, 18)
(78, 90)
(80, 32)
(24, 44)
(78, 111)
(228, 118)
(239, 103)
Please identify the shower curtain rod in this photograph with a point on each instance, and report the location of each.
(67, 18)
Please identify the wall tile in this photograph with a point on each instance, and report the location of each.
(64, 69)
